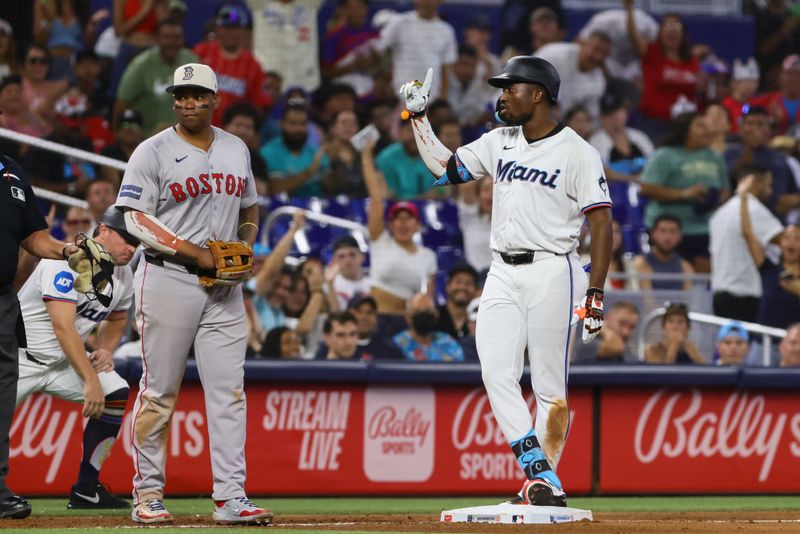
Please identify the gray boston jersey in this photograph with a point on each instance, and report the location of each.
(196, 194)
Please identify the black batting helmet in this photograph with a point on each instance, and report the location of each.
(114, 218)
(529, 69)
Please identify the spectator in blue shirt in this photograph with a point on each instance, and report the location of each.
(421, 342)
(406, 175)
(780, 277)
(295, 165)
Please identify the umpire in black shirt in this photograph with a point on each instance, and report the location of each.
(20, 224)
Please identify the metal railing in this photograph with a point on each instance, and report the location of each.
(64, 150)
(766, 332)
(659, 7)
(694, 278)
(359, 231)
(51, 146)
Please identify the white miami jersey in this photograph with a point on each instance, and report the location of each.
(196, 194)
(542, 190)
(53, 280)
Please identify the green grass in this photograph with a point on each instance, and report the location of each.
(434, 505)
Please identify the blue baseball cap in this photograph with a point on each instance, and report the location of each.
(733, 328)
(232, 15)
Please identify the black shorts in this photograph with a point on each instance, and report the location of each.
(694, 246)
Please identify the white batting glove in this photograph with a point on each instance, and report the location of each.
(592, 313)
(416, 94)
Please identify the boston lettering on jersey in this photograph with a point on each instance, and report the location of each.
(508, 171)
(204, 184)
(84, 310)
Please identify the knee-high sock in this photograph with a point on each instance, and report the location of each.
(100, 434)
(532, 460)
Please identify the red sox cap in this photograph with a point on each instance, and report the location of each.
(194, 75)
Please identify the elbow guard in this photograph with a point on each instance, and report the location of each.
(457, 173)
(151, 232)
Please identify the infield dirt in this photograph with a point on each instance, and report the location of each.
(605, 522)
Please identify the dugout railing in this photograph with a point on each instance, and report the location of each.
(765, 334)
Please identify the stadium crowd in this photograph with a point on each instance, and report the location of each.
(701, 156)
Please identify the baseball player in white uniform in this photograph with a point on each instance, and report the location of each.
(58, 320)
(546, 180)
(183, 187)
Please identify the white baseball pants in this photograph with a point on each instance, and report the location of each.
(530, 306)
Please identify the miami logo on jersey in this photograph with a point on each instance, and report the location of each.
(63, 281)
(87, 312)
(508, 171)
(602, 182)
(205, 185)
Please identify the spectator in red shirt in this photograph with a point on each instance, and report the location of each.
(784, 104)
(744, 85)
(239, 74)
(668, 71)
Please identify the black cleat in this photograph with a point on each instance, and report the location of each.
(94, 496)
(540, 492)
(14, 507)
(516, 499)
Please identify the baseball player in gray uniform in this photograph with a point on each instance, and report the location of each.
(58, 320)
(546, 181)
(183, 187)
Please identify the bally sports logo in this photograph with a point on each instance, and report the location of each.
(47, 433)
(485, 453)
(399, 434)
(676, 424)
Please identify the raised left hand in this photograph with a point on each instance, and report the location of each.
(416, 93)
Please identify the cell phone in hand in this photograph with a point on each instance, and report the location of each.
(365, 136)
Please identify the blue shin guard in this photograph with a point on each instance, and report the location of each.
(532, 459)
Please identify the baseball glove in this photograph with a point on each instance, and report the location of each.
(233, 261)
(95, 269)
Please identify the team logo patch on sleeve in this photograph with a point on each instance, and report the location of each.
(602, 182)
(63, 282)
(133, 191)
(18, 193)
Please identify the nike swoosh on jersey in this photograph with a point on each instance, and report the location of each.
(93, 500)
(508, 147)
(178, 160)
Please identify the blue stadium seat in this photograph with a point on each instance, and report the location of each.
(339, 207)
(446, 256)
(440, 223)
(358, 210)
(628, 211)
